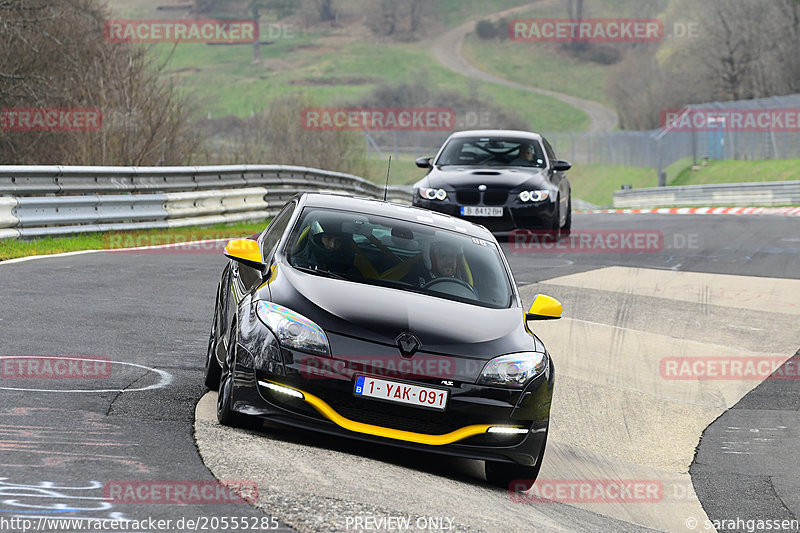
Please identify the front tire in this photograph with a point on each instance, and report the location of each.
(225, 413)
(212, 370)
(567, 229)
(555, 225)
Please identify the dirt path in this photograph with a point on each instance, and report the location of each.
(447, 49)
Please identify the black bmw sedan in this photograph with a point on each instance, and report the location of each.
(384, 323)
(503, 180)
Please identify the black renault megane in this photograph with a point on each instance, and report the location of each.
(504, 180)
(384, 323)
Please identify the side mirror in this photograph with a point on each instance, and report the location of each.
(561, 166)
(424, 162)
(544, 308)
(246, 252)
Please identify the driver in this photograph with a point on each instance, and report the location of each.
(525, 157)
(441, 260)
(333, 251)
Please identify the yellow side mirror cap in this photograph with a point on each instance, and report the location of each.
(544, 308)
(247, 252)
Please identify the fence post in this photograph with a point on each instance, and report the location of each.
(662, 176)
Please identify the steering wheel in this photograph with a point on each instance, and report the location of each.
(457, 281)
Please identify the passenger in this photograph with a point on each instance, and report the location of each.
(445, 260)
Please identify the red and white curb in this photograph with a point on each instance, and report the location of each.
(782, 211)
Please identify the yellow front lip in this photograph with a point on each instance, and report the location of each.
(409, 436)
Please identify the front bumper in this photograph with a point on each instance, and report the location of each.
(324, 402)
(516, 215)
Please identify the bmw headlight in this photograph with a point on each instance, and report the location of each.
(513, 370)
(293, 329)
(534, 196)
(432, 194)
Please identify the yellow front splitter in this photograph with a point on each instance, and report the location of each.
(378, 431)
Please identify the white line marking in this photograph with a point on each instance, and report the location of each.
(82, 252)
(165, 378)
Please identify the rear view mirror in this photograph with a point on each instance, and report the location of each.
(246, 252)
(424, 162)
(544, 308)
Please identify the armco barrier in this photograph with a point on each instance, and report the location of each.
(7, 204)
(77, 210)
(215, 202)
(767, 194)
(53, 200)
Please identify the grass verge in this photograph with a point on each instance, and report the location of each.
(13, 248)
(596, 183)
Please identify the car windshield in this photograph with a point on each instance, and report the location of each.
(400, 254)
(485, 151)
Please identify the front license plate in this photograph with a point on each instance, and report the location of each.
(479, 211)
(392, 391)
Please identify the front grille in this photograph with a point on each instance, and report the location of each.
(495, 197)
(495, 224)
(401, 417)
(468, 197)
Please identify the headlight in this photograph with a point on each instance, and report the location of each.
(534, 196)
(293, 329)
(432, 194)
(513, 370)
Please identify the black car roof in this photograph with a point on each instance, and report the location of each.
(392, 210)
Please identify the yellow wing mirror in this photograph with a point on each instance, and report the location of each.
(246, 252)
(544, 308)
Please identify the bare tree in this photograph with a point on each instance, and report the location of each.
(575, 9)
(399, 19)
(277, 136)
(56, 55)
(325, 10)
(741, 49)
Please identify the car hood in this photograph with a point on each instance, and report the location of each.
(493, 177)
(379, 315)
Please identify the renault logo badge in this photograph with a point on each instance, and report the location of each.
(408, 343)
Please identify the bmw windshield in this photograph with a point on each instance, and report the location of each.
(400, 254)
(486, 151)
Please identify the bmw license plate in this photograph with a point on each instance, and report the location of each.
(479, 211)
(405, 393)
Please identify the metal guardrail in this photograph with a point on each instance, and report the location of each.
(53, 200)
(782, 193)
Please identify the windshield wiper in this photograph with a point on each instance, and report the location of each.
(320, 272)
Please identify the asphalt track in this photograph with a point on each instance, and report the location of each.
(614, 416)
